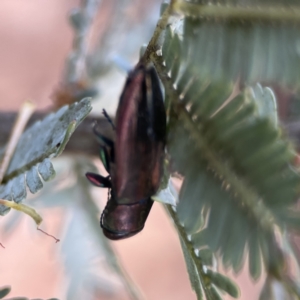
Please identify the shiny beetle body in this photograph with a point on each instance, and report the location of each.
(135, 161)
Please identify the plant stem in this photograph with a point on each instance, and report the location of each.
(22, 119)
(23, 208)
(160, 27)
(197, 260)
(82, 21)
(234, 13)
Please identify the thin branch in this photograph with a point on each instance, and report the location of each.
(50, 235)
(30, 212)
(108, 119)
(82, 19)
(197, 260)
(23, 117)
(234, 13)
(160, 27)
(23, 208)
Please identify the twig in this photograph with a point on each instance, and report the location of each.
(29, 211)
(23, 208)
(109, 119)
(232, 13)
(190, 248)
(82, 19)
(56, 240)
(160, 27)
(23, 117)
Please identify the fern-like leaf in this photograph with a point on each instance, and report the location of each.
(201, 267)
(253, 41)
(43, 140)
(239, 183)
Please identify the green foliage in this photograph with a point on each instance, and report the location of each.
(19, 298)
(192, 270)
(223, 283)
(240, 186)
(255, 3)
(236, 165)
(200, 265)
(44, 139)
(4, 291)
(242, 40)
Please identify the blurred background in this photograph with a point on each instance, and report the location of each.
(39, 62)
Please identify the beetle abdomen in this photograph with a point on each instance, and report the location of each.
(120, 221)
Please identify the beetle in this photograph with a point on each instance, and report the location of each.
(135, 161)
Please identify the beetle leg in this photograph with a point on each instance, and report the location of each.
(109, 119)
(104, 156)
(98, 180)
(106, 143)
(102, 139)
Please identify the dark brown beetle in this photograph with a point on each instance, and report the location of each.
(135, 161)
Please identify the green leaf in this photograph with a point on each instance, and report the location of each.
(198, 262)
(43, 140)
(4, 291)
(206, 256)
(266, 102)
(215, 294)
(249, 41)
(192, 270)
(238, 183)
(254, 258)
(224, 283)
(247, 2)
(18, 298)
(167, 195)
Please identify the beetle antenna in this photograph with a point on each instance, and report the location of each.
(109, 119)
